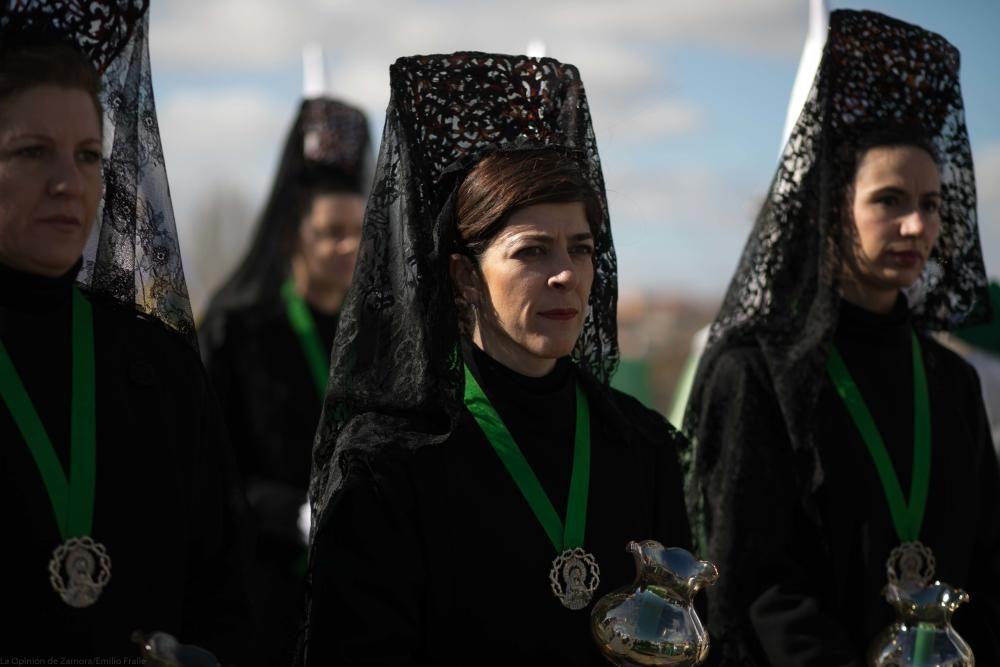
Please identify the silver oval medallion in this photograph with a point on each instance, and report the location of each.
(574, 578)
(911, 565)
(79, 570)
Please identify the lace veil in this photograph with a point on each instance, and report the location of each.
(396, 380)
(133, 255)
(785, 295)
(328, 146)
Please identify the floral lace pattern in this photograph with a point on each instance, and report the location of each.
(133, 255)
(334, 134)
(875, 70)
(397, 376)
(784, 298)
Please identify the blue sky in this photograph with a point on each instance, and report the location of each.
(689, 101)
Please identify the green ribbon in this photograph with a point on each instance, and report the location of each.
(923, 644)
(304, 326)
(72, 499)
(563, 538)
(907, 518)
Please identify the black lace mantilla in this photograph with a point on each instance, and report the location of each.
(334, 134)
(99, 29)
(133, 255)
(327, 142)
(396, 378)
(784, 299)
(875, 71)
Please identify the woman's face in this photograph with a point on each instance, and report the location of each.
(532, 287)
(895, 220)
(50, 177)
(329, 237)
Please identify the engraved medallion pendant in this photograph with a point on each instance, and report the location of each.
(79, 570)
(911, 565)
(574, 578)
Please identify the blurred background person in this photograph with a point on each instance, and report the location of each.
(266, 339)
(116, 481)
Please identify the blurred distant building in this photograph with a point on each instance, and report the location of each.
(654, 333)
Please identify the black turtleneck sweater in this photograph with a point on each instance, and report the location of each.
(813, 593)
(272, 407)
(434, 557)
(164, 505)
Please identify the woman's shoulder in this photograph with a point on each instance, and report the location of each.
(739, 366)
(945, 356)
(229, 326)
(144, 341)
(948, 366)
(741, 356)
(620, 413)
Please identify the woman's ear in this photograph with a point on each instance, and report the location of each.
(465, 278)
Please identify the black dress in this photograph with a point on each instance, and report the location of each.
(271, 406)
(810, 584)
(434, 557)
(166, 506)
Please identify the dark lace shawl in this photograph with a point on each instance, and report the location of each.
(327, 146)
(133, 256)
(785, 296)
(396, 380)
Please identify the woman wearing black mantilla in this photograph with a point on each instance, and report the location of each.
(831, 433)
(118, 496)
(266, 340)
(476, 481)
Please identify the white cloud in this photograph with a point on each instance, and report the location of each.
(361, 81)
(229, 133)
(680, 229)
(644, 120)
(246, 34)
(260, 33)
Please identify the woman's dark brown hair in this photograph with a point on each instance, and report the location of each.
(53, 64)
(850, 154)
(503, 182)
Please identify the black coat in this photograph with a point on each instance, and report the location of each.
(166, 505)
(434, 557)
(802, 576)
(271, 408)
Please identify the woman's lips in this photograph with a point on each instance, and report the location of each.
(62, 220)
(907, 257)
(560, 313)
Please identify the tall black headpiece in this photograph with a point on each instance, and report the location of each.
(397, 375)
(876, 72)
(133, 255)
(327, 148)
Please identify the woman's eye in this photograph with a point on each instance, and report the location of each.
(530, 251)
(582, 249)
(887, 201)
(90, 156)
(30, 152)
(932, 206)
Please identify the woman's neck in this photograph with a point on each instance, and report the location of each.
(511, 355)
(31, 291)
(324, 298)
(871, 298)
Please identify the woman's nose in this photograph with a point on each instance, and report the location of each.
(565, 278)
(65, 178)
(914, 223)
